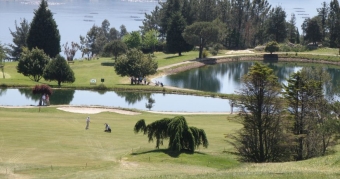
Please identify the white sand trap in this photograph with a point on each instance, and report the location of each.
(94, 110)
(239, 51)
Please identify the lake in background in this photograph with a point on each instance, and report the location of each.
(76, 17)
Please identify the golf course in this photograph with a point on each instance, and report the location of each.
(48, 142)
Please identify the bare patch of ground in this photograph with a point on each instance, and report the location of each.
(95, 110)
(188, 113)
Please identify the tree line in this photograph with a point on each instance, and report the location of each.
(169, 27)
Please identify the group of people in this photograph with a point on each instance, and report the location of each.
(107, 127)
(45, 100)
(159, 83)
(138, 80)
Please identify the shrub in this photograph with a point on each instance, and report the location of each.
(205, 53)
(272, 46)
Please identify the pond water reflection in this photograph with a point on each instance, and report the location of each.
(222, 78)
(134, 100)
(226, 77)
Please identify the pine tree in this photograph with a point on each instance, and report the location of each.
(44, 33)
(19, 38)
(175, 42)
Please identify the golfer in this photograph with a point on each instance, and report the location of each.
(87, 122)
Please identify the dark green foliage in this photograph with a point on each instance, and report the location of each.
(181, 136)
(312, 114)
(133, 40)
(115, 48)
(136, 64)
(32, 63)
(167, 9)
(175, 42)
(199, 136)
(150, 40)
(140, 126)
(44, 33)
(262, 138)
(19, 38)
(272, 47)
(200, 34)
(276, 24)
(313, 32)
(334, 23)
(58, 70)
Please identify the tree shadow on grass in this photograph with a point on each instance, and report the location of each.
(174, 56)
(171, 153)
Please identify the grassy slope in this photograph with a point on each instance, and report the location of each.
(54, 144)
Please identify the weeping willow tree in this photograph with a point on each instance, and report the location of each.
(180, 135)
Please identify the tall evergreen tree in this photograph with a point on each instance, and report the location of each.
(19, 38)
(168, 8)
(207, 10)
(334, 23)
(44, 33)
(276, 24)
(323, 14)
(262, 138)
(292, 29)
(297, 38)
(313, 33)
(310, 111)
(188, 11)
(175, 42)
(259, 11)
(151, 21)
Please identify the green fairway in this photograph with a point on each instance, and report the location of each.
(85, 70)
(54, 144)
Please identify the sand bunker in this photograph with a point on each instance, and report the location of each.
(238, 52)
(95, 110)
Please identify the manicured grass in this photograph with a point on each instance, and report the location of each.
(54, 144)
(85, 70)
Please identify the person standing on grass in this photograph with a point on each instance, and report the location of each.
(87, 122)
(43, 100)
(47, 100)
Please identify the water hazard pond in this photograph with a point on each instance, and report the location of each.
(133, 100)
(221, 78)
